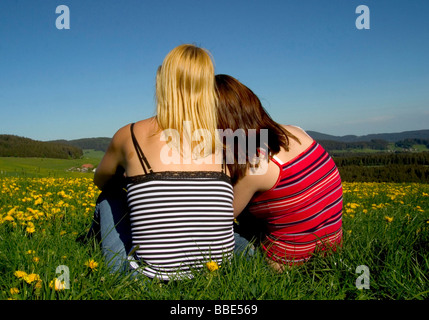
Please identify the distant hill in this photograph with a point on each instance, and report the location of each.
(98, 144)
(389, 137)
(15, 146)
(330, 142)
(371, 141)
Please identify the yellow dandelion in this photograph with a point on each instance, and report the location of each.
(14, 291)
(212, 266)
(38, 284)
(36, 259)
(32, 277)
(57, 284)
(388, 219)
(20, 274)
(38, 201)
(11, 211)
(31, 252)
(30, 230)
(9, 218)
(92, 264)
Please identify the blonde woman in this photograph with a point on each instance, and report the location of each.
(179, 195)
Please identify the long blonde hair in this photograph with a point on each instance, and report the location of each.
(185, 91)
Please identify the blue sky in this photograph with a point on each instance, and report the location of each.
(305, 59)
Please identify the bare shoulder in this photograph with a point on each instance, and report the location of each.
(146, 127)
(298, 132)
(142, 127)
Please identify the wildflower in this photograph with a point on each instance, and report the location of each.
(8, 218)
(11, 211)
(32, 277)
(57, 284)
(36, 259)
(388, 219)
(31, 252)
(92, 264)
(20, 274)
(212, 266)
(14, 291)
(38, 201)
(38, 284)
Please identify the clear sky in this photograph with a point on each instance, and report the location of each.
(305, 59)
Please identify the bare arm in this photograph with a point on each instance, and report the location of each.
(112, 163)
(256, 180)
(243, 193)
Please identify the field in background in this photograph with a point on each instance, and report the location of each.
(48, 167)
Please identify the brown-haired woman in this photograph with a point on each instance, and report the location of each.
(295, 189)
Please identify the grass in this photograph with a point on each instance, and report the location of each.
(385, 228)
(47, 167)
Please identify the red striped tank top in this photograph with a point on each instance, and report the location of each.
(303, 210)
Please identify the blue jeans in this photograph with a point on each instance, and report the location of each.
(112, 227)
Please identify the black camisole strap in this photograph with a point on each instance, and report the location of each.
(223, 162)
(139, 151)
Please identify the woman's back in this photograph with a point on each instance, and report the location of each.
(180, 219)
(180, 202)
(303, 208)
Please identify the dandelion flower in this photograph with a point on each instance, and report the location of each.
(8, 218)
(57, 285)
(20, 274)
(38, 284)
(212, 266)
(92, 264)
(30, 229)
(32, 277)
(388, 219)
(14, 291)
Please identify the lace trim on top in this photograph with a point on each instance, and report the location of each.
(179, 175)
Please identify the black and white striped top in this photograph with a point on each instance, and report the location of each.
(179, 220)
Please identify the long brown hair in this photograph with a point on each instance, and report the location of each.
(240, 109)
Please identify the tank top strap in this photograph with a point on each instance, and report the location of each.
(139, 151)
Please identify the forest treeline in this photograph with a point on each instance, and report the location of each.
(15, 146)
(388, 167)
(382, 166)
(98, 144)
(374, 144)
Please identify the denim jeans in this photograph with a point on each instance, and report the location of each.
(112, 227)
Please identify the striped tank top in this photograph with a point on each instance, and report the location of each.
(303, 210)
(180, 220)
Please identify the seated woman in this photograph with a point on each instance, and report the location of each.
(296, 189)
(180, 202)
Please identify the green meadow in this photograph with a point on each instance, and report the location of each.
(44, 209)
(47, 167)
